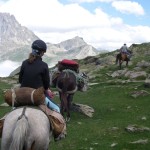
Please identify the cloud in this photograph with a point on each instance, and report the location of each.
(54, 22)
(91, 1)
(7, 67)
(128, 7)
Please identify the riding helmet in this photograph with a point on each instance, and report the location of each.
(39, 45)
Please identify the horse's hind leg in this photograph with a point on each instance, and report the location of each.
(70, 99)
(117, 59)
(126, 63)
(120, 63)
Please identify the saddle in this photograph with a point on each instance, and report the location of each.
(57, 122)
(125, 56)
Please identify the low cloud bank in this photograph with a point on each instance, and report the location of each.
(7, 67)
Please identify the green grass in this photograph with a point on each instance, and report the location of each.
(114, 107)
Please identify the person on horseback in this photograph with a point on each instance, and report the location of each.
(124, 50)
(34, 72)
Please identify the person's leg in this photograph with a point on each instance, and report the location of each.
(50, 104)
(128, 55)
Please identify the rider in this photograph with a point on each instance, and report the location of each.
(124, 49)
(34, 72)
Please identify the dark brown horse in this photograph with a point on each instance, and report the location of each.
(121, 57)
(68, 82)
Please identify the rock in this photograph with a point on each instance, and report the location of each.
(135, 75)
(141, 141)
(136, 128)
(143, 64)
(113, 144)
(4, 104)
(136, 94)
(84, 109)
(119, 73)
(147, 83)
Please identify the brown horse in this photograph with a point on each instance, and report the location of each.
(68, 82)
(121, 57)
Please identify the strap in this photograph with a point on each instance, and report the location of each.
(13, 97)
(32, 99)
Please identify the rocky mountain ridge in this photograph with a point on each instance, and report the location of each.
(16, 40)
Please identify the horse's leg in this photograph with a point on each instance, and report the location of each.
(65, 105)
(127, 63)
(70, 99)
(117, 58)
(120, 63)
(61, 104)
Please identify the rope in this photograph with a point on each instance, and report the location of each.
(13, 97)
(32, 99)
(79, 78)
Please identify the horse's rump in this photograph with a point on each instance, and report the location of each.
(67, 82)
(28, 128)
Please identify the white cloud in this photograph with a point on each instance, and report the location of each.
(91, 1)
(7, 67)
(54, 22)
(128, 7)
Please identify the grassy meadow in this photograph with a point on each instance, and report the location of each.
(115, 109)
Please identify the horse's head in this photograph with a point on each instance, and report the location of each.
(83, 83)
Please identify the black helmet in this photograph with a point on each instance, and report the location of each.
(39, 45)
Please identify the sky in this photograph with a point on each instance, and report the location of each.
(104, 24)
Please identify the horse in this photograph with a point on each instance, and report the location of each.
(121, 57)
(26, 128)
(68, 82)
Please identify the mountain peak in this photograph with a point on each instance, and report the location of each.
(12, 34)
(72, 43)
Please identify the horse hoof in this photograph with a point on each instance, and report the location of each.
(67, 119)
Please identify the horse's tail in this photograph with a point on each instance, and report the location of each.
(19, 134)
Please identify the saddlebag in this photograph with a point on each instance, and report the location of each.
(24, 96)
(68, 64)
(57, 121)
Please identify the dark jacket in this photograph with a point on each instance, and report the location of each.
(34, 74)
